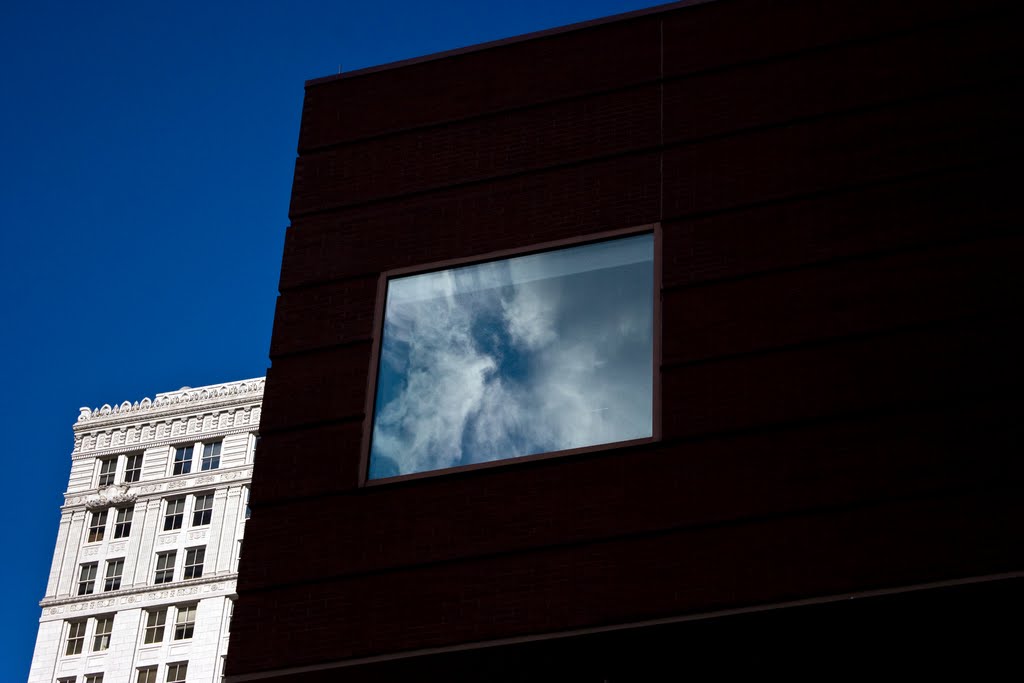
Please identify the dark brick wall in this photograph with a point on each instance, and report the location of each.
(842, 249)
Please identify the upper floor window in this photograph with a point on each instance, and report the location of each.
(175, 514)
(133, 468)
(183, 459)
(155, 621)
(185, 622)
(545, 352)
(165, 566)
(123, 522)
(94, 678)
(101, 636)
(76, 638)
(211, 456)
(194, 558)
(87, 579)
(147, 675)
(108, 471)
(248, 510)
(112, 580)
(203, 511)
(177, 672)
(97, 526)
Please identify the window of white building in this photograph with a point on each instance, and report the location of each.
(175, 514)
(123, 522)
(183, 459)
(133, 468)
(112, 580)
(185, 622)
(202, 513)
(108, 471)
(194, 558)
(211, 456)
(76, 638)
(165, 566)
(101, 636)
(155, 621)
(97, 526)
(87, 578)
(176, 672)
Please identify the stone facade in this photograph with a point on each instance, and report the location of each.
(150, 535)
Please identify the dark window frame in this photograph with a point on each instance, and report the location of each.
(378, 328)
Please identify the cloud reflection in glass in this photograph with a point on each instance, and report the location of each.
(532, 354)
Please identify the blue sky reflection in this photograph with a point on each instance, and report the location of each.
(508, 358)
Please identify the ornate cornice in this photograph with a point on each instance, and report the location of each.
(165, 404)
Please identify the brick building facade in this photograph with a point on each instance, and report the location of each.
(839, 248)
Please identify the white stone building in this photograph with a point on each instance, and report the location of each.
(143, 574)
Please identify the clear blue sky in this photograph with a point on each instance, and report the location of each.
(147, 153)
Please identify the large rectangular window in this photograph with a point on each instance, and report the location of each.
(165, 567)
(202, 513)
(211, 456)
(155, 622)
(115, 568)
(108, 470)
(183, 460)
(101, 637)
(87, 579)
(545, 352)
(76, 638)
(185, 622)
(123, 522)
(97, 526)
(194, 558)
(133, 468)
(175, 514)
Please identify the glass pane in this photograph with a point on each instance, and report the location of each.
(532, 354)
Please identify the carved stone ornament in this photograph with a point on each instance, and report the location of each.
(110, 496)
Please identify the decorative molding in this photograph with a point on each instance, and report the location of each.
(167, 539)
(110, 496)
(139, 594)
(177, 483)
(185, 397)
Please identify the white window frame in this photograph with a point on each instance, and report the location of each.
(105, 475)
(203, 515)
(97, 529)
(101, 639)
(75, 633)
(87, 582)
(156, 624)
(172, 556)
(150, 672)
(123, 522)
(187, 627)
(192, 568)
(128, 461)
(185, 462)
(211, 455)
(176, 518)
(115, 580)
(179, 670)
